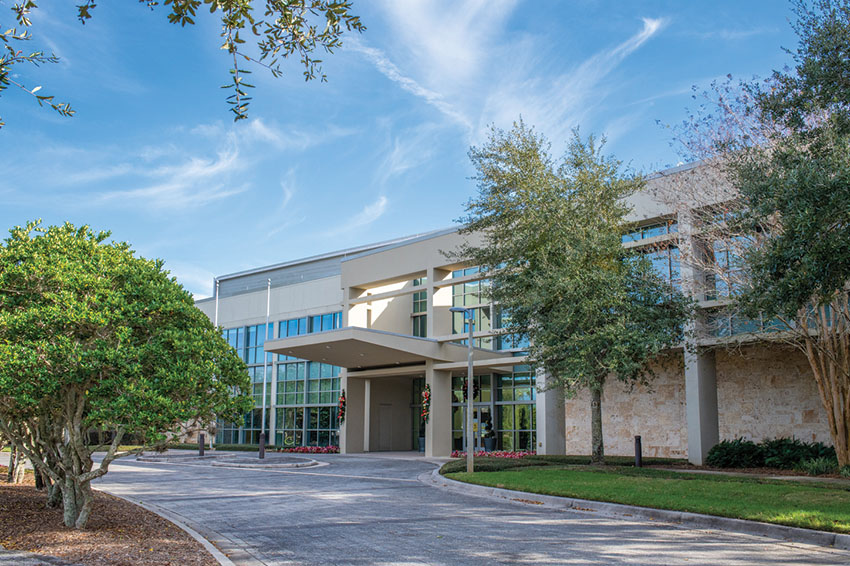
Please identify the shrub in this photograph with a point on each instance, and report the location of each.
(738, 453)
(818, 466)
(312, 449)
(495, 454)
(786, 453)
(844, 472)
(486, 464)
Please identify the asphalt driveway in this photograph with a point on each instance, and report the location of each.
(362, 510)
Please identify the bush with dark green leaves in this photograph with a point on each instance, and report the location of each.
(818, 466)
(738, 453)
(785, 453)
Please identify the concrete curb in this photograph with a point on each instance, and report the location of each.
(618, 510)
(222, 559)
(22, 558)
(308, 464)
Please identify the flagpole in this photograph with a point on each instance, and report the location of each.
(265, 356)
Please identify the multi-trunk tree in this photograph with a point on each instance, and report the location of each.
(93, 337)
(592, 310)
(771, 205)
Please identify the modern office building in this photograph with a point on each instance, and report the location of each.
(374, 322)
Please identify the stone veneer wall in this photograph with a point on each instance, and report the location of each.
(768, 392)
(655, 412)
(762, 392)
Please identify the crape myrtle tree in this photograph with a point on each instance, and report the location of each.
(771, 205)
(93, 337)
(253, 32)
(551, 244)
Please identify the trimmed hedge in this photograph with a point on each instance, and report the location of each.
(490, 464)
(738, 453)
(783, 453)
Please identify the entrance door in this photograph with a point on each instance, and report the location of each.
(385, 427)
(482, 423)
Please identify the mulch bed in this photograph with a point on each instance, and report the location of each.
(118, 533)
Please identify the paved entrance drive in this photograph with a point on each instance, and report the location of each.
(363, 510)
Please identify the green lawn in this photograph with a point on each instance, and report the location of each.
(812, 506)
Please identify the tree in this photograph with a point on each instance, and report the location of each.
(552, 248)
(286, 28)
(774, 218)
(93, 337)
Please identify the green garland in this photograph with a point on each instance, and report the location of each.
(426, 404)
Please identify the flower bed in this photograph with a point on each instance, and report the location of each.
(312, 449)
(495, 454)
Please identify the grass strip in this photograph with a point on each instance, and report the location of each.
(822, 507)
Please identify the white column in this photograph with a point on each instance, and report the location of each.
(700, 371)
(701, 405)
(438, 429)
(351, 429)
(551, 419)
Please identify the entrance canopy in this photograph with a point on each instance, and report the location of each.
(361, 348)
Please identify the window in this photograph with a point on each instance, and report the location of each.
(665, 262)
(420, 307)
(290, 383)
(650, 231)
(473, 294)
(322, 426)
(725, 281)
(289, 427)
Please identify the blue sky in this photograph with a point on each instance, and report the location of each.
(379, 151)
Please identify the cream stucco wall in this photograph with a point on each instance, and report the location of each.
(300, 299)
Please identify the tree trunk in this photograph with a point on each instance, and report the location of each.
(10, 475)
(20, 468)
(828, 352)
(69, 503)
(597, 455)
(85, 500)
(39, 480)
(54, 495)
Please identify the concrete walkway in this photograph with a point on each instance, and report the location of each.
(360, 510)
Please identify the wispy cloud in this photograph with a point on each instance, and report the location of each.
(566, 101)
(282, 217)
(194, 278)
(291, 137)
(409, 149)
(192, 183)
(477, 72)
(389, 70)
(369, 214)
(728, 34)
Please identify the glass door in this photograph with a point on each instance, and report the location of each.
(482, 426)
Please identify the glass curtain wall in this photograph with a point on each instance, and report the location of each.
(507, 401)
(306, 392)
